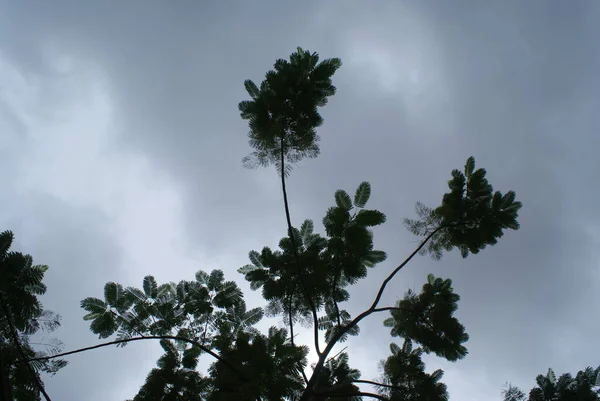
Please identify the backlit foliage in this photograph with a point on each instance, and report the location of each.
(584, 386)
(21, 316)
(307, 278)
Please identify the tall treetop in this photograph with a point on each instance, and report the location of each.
(283, 111)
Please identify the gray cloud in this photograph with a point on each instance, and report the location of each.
(423, 87)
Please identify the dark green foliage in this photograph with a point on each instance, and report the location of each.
(307, 278)
(22, 315)
(426, 318)
(328, 264)
(283, 111)
(172, 380)
(513, 393)
(362, 194)
(405, 371)
(336, 377)
(270, 364)
(189, 307)
(470, 217)
(583, 387)
(566, 387)
(209, 311)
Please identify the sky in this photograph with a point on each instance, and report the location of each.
(121, 147)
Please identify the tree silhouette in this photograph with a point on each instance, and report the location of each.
(307, 278)
(513, 393)
(583, 387)
(22, 315)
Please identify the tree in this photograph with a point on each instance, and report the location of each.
(583, 387)
(512, 393)
(22, 315)
(307, 279)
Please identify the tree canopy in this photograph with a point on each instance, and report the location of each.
(22, 315)
(584, 386)
(305, 280)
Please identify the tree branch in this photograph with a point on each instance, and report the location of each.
(390, 308)
(15, 336)
(297, 259)
(364, 314)
(290, 317)
(373, 395)
(338, 273)
(361, 393)
(127, 340)
(374, 383)
(397, 269)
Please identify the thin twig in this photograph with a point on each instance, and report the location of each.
(290, 317)
(297, 259)
(336, 355)
(337, 277)
(390, 308)
(375, 383)
(127, 340)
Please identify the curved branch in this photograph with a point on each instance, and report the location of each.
(127, 340)
(366, 313)
(397, 269)
(387, 308)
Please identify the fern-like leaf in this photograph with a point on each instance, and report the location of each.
(362, 194)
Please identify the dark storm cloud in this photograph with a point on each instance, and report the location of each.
(424, 86)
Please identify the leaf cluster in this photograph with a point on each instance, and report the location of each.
(271, 365)
(22, 315)
(404, 377)
(584, 386)
(283, 111)
(211, 313)
(174, 377)
(471, 216)
(337, 377)
(427, 318)
(328, 264)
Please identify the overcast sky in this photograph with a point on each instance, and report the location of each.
(120, 149)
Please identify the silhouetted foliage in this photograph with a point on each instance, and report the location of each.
(585, 386)
(283, 111)
(21, 316)
(307, 279)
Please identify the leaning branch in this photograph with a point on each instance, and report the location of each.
(397, 269)
(373, 395)
(369, 311)
(127, 340)
(374, 383)
(387, 308)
